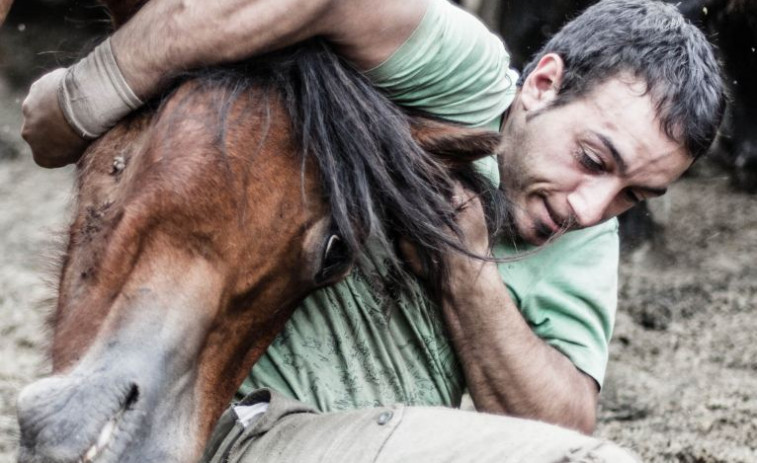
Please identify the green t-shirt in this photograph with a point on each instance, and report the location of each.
(452, 66)
(360, 343)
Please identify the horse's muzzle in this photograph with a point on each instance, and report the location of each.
(77, 419)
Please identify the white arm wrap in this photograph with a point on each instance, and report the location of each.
(94, 95)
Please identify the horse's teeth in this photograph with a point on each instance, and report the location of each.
(106, 433)
(91, 454)
(102, 440)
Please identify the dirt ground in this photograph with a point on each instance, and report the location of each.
(682, 382)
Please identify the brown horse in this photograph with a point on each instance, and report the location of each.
(202, 221)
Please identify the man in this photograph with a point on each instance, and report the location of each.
(616, 107)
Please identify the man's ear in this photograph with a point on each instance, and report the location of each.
(540, 87)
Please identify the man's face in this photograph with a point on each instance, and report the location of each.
(576, 165)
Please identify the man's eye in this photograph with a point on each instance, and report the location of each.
(590, 162)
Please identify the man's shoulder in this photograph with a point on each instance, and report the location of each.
(567, 292)
(606, 233)
(601, 237)
(452, 66)
(591, 251)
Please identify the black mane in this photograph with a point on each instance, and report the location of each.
(376, 178)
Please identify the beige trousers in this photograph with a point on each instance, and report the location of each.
(292, 432)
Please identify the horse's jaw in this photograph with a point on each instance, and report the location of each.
(104, 420)
(120, 408)
(131, 395)
(159, 372)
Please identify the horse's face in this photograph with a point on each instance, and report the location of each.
(178, 233)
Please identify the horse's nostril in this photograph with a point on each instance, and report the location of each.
(131, 397)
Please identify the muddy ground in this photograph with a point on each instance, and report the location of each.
(682, 382)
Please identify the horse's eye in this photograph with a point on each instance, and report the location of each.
(336, 260)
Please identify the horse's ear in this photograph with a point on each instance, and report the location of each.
(452, 142)
(122, 10)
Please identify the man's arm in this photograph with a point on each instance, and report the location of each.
(507, 367)
(169, 36)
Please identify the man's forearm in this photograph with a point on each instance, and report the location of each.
(507, 367)
(167, 36)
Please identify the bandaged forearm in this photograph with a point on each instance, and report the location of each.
(94, 95)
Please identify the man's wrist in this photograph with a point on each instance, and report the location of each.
(468, 276)
(94, 95)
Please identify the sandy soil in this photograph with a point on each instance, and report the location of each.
(682, 384)
(33, 206)
(683, 373)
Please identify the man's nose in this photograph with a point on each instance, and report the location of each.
(591, 203)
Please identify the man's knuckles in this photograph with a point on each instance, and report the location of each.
(412, 259)
(52, 141)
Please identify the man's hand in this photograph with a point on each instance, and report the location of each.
(52, 140)
(475, 235)
(508, 369)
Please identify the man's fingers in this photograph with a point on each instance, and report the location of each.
(471, 220)
(464, 200)
(413, 260)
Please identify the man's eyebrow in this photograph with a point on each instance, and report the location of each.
(613, 151)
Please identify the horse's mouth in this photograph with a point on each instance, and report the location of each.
(110, 430)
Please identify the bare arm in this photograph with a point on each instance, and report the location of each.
(169, 36)
(508, 368)
(166, 36)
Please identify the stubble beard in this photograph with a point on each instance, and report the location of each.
(513, 181)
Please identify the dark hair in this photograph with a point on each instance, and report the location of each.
(649, 40)
(376, 179)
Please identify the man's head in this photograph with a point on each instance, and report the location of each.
(615, 107)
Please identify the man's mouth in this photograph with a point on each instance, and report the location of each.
(553, 221)
(543, 233)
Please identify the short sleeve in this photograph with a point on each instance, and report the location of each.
(453, 67)
(567, 292)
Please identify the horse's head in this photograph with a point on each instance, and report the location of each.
(179, 229)
(199, 226)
